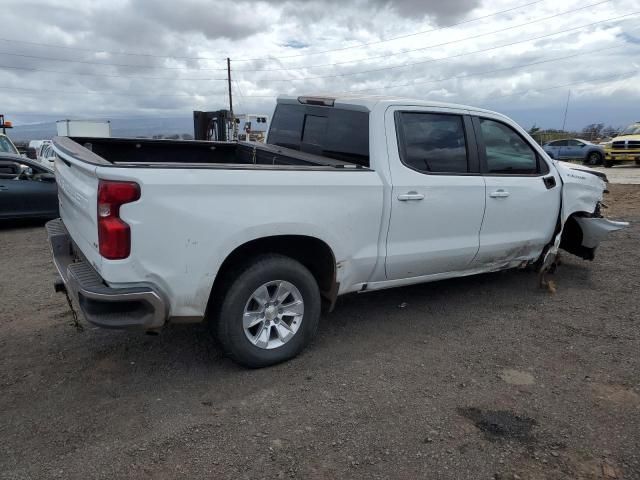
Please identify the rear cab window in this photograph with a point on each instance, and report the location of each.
(433, 142)
(332, 132)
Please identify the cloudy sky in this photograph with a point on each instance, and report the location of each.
(117, 58)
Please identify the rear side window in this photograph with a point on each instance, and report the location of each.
(506, 151)
(327, 131)
(433, 142)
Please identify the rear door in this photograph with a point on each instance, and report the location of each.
(438, 195)
(523, 195)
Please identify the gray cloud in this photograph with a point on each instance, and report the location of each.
(277, 33)
(442, 11)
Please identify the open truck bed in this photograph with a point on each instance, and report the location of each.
(139, 152)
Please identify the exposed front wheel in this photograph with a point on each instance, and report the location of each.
(608, 164)
(594, 158)
(269, 312)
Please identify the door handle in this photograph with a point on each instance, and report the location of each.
(410, 196)
(3, 188)
(499, 194)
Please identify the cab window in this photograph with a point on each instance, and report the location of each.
(506, 152)
(432, 142)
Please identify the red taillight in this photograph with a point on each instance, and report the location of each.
(114, 235)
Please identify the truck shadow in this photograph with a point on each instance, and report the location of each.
(22, 223)
(360, 325)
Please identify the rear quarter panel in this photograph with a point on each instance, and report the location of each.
(188, 221)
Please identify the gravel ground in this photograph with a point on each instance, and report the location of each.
(477, 378)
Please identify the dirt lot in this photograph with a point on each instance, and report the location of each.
(478, 378)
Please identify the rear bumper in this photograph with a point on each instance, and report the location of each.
(104, 306)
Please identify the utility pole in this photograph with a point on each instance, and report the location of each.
(233, 120)
(229, 85)
(566, 108)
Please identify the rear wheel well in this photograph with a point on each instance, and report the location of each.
(311, 252)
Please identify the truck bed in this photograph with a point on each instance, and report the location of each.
(135, 152)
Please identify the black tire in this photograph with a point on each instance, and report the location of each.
(261, 270)
(594, 158)
(608, 164)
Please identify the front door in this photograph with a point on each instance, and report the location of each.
(523, 196)
(438, 196)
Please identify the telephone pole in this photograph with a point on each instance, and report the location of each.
(566, 109)
(229, 85)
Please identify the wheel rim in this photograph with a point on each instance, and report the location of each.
(593, 159)
(273, 314)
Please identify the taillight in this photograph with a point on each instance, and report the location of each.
(114, 235)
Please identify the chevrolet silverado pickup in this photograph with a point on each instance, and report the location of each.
(349, 194)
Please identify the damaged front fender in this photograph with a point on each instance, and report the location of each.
(580, 226)
(594, 230)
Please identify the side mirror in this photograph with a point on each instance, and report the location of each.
(31, 153)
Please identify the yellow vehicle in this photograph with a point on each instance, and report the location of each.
(623, 148)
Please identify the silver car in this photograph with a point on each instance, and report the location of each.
(574, 148)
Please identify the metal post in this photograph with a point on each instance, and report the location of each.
(233, 120)
(566, 108)
(229, 85)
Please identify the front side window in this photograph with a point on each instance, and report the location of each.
(433, 142)
(575, 143)
(506, 151)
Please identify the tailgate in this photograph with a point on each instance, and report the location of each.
(77, 195)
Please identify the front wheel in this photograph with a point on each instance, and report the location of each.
(269, 312)
(608, 164)
(594, 158)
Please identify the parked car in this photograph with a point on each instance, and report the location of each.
(7, 146)
(27, 189)
(33, 148)
(624, 148)
(46, 154)
(575, 148)
(350, 194)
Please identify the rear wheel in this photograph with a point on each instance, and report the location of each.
(594, 158)
(608, 164)
(269, 312)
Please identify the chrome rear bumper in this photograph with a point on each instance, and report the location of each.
(104, 306)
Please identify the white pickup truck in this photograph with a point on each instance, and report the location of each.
(349, 194)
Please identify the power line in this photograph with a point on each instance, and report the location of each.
(451, 42)
(179, 57)
(109, 75)
(405, 65)
(137, 94)
(377, 42)
(496, 70)
(434, 60)
(87, 62)
(606, 79)
(473, 74)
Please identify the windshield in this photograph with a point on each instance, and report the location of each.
(6, 146)
(631, 130)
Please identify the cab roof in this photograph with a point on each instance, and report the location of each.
(369, 102)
